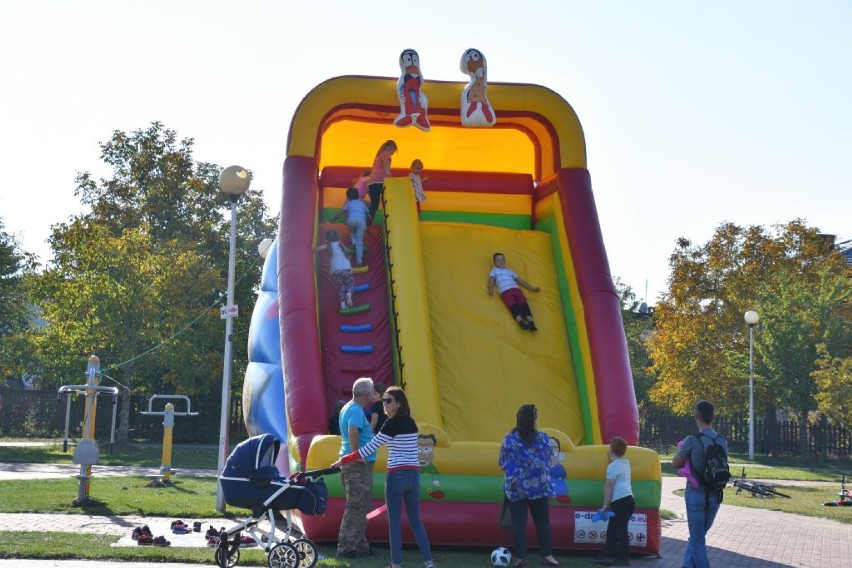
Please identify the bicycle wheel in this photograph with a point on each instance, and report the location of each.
(308, 552)
(776, 492)
(283, 556)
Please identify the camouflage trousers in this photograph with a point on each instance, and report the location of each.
(357, 480)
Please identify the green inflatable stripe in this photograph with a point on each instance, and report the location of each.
(329, 212)
(549, 226)
(482, 489)
(491, 219)
(355, 309)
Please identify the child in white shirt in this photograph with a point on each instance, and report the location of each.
(507, 285)
(618, 497)
(417, 182)
(340, 267)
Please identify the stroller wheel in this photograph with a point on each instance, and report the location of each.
(308, 553)
(227, 556)
(283, 555)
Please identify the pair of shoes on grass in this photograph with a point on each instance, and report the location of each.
(139, 532)
(180, 527)
(155, 541)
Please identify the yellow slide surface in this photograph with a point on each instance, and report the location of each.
(486, 366)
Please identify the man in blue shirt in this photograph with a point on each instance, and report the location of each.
(356, 477)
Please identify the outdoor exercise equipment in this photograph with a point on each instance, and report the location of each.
(86, 454)
(844, 494)
(757, 488)
(168, 415)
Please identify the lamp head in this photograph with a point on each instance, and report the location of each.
(752, 317)
(235, 180)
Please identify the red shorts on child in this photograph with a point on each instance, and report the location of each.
(513, 297)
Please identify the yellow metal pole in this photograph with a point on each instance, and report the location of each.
(168, 426)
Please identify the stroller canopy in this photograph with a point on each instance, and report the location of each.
(253, 458)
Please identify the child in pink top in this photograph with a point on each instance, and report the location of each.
(381, 170)
(360, 183)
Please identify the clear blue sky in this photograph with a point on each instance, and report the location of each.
(695, 113)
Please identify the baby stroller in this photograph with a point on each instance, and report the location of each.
(250, 480)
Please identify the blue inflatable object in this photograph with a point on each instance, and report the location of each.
(346, 328)
(362, 287)
(599, 516)
(263, 386)
(356, 348)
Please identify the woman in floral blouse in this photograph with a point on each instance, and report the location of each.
(525, 460)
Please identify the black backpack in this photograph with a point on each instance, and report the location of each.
(715, 474)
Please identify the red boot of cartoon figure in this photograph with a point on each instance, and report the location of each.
(422, 121)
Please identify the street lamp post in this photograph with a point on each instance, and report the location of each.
(751, 318)
(235, 181)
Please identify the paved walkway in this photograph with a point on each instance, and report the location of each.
(741, 537)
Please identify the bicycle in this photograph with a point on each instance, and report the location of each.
(757, 488)
(844, 494)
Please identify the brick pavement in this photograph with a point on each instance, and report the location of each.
(742, 537)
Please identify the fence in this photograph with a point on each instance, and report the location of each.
(38, 414)
(661, 432)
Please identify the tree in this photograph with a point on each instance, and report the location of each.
(137, 279)
(638, 326)
(833, 378)
(16, 314)
(788, 275)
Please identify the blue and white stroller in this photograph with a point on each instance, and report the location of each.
(250, 480)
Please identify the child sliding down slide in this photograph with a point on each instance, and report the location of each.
(507, 283)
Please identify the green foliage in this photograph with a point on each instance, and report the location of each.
(16, 315)
(790, 277)
(138, 278)
(833, 378)
(637, 328)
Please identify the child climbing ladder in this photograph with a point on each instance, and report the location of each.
(355, 340)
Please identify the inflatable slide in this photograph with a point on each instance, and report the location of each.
(423, 318)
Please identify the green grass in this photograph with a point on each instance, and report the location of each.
(786, 468)
(59, 546)
(187, 497)
(195, 498)
(150, 455)
(807, 501)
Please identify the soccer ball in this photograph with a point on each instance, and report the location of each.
(501, 557)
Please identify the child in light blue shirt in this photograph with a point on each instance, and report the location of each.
(357, 217)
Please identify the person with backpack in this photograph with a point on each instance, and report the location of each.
(708, 452)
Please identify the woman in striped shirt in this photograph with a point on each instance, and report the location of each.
(402, 483)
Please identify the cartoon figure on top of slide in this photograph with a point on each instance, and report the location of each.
(474, 96)
(422, 318)
(413, 102)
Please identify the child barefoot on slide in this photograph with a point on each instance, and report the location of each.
(507, 285)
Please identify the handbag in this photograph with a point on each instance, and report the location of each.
(505, 515)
